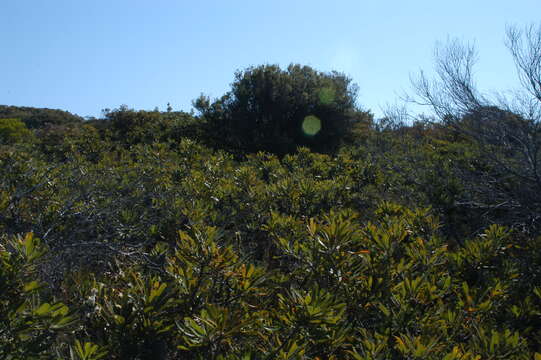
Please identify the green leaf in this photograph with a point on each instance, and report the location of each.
(33, 285)
(43, 310)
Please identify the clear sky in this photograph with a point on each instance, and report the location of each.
(87, 55)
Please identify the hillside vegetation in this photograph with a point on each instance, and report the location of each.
(281, 221)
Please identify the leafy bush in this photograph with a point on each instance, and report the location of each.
(13, 131)
(35, 117)
(32, 324)
(275, 110)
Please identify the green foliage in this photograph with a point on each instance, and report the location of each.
(151, 244)
(13, 131)
(31, 325)
(129, 127)
(86, 351)
(59, 142)
(36, 117)
(277, 110)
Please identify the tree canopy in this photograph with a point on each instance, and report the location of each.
(38, 117)
(13, 130)
(276, 110)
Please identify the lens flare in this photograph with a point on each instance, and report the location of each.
(327, 95)
(311, 125)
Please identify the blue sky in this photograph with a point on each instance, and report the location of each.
(84, 56)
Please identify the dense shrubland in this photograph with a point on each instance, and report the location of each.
(245, 233)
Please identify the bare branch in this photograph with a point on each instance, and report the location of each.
(452, 93)
(525, 47)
